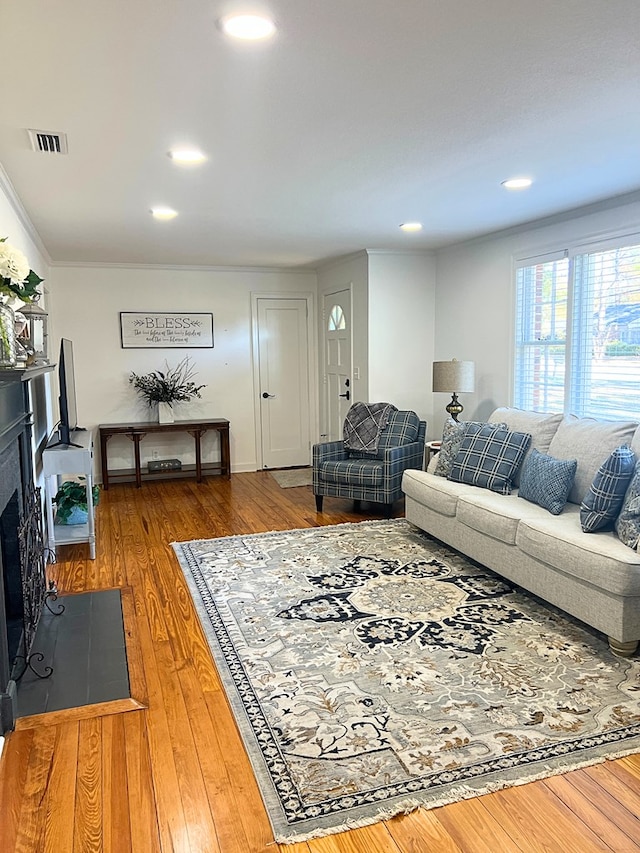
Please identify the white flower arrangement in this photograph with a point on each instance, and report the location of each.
(16, 278)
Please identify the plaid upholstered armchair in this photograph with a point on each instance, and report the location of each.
(343, 473)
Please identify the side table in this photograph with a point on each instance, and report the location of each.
(430, 449)
(64, 459)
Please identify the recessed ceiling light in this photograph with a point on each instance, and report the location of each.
(187, 156)
(517, 183)
(250, 27)
(163, 212)
(411, 226)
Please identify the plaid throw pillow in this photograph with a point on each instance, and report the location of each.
(547, 481)
(628, 522)
(452, 434)
(489, 456)
(603, 501)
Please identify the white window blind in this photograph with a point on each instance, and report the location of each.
(578, 334)
(605, 350)
(541, 335)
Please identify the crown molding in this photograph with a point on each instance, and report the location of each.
(406, 253)
(573, 213)
(178, 267)
(328, 263)
(18, 208)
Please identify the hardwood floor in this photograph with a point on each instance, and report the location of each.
(174, 776)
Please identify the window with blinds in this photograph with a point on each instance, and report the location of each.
(578, 333)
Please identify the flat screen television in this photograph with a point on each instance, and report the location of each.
(67, 399)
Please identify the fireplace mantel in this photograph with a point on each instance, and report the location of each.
(23, 374)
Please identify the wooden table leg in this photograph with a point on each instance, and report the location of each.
(197, 435)
(137, 438)
(103, 458)
(225, 453)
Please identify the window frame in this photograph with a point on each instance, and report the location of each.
(576, 253)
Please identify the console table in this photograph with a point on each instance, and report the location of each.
(137, 431)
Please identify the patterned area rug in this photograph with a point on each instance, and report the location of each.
(372, 670)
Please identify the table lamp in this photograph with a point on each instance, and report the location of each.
(454, 377)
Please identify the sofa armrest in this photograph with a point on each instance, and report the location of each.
(328, 451)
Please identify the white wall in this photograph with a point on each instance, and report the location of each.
(392, 325)
(86, 310)
(15, 226)
(401, 330)
(475, 295)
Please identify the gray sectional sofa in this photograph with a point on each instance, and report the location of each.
(592, 576)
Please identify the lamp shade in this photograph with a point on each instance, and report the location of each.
(454, 376)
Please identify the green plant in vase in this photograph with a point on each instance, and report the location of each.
(173, 385)
(71, 501)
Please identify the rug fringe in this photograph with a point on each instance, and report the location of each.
(462, 792)
(404, 808)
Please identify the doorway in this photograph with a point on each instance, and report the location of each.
(282, 380)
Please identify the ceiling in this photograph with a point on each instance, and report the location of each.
(357, 116)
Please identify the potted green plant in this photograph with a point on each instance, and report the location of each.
(173, 385)
(71, 501)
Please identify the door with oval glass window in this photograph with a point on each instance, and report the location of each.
(338, 381)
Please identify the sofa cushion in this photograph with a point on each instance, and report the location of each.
(494, 515)
(436, 493)
(452, 435)
(627, 523)
(489, 456)
(541, 426)
(590, 442)
(601, 560)
(547, 481)
(603, 502)
(362, 472)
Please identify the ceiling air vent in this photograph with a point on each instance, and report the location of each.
(49, 142)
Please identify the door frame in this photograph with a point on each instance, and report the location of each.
(312, 364)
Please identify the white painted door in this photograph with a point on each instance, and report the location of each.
(338, 381)
(283, 354)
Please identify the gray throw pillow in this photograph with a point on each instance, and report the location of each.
(489, 456)
(547, 481)
(627, 524)
(603, 501)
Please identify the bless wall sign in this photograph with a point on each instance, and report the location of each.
(163, 329)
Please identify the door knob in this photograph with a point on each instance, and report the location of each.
(346, 394)
(266, 395)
